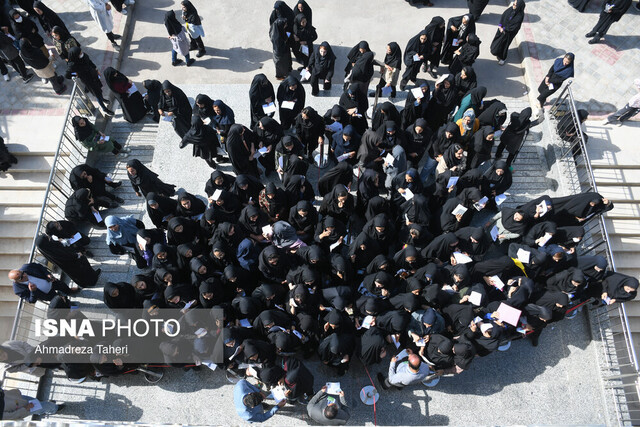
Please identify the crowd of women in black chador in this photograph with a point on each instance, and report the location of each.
(398, 253)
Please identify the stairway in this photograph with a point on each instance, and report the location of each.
(617, 177)
(22, 190)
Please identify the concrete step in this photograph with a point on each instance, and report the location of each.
(32, 163)
(624, 211)
(616, 227)
(19, 214)
(613, 176)
(6, 293)
(626, 260)
(21, 198)
(602, 164)
(12, 229)
(9, 262)
(21, 245)
(620, 191)
(631, 271)
(26, 180)
(624, 244)
(632, 308)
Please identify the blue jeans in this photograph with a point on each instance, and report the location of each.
(174, 56)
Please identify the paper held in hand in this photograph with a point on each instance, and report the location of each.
(142, 242)
(452, 181)
(386, 90)
(342, 157)
(509, 314)
(288, 105)
(304, 74)
(545, 239)
(132, 89)
(333, 388)
(475, 298)
(304, 49)
(245, 323)
(389, 159)
(455, 42)
(408, 194)
(500, 198)
(36, 405)
(334, 245)
(480, 204)
(495, 281)
(416, 58)
(261, 152)
(267, 230)
(97, 216)
(459, 210)
(523, 256)
(395, 341)
(278, 394)
(494, 233)
(167, 118)
(269, 108)
(461, 258)
(417, 93)
(75, 238)
(366, 322)
(216, 194)
(543, 208)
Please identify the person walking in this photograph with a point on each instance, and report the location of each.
(9, 54)
(631, 109)
(101, 12)
(510, 24)
(179, 39)
(612, 11)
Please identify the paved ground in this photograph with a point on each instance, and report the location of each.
(20, 103)
(604, 71)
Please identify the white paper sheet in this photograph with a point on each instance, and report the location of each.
(278, 394)
(408, 194)
(544, 208)
(475, 298)
(97, 216)
(417, 93)
(132, 89)
(500, 198)
(495, 280)
(269, 108)
(167, 118)
(142, 242)
(288, 105)
(462, 258)
(455, 42)
(523, 256)
(389, 159)
(342, 157)
(366, 322)
(334, 245)
(74, 238)
(304, 74)
(386, 90)
(216, 194)
(494, 233)
(238, 349)
(509, 314)
(452, 181)
(402, 355)
(245, 323)
(416, 58)
(459, 210)
(480, 204)
(545, 239)
(267, 230)
(395, 341)
(304, 49)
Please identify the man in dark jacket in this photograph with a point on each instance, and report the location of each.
(33, 282)
(326, 410)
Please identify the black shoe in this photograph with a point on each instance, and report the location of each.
(98, 272)
(201, 53)
(595, 40)
(381, 380)
(28, 78)
(115, 184)
(190, 61)
(222, 159)
(534, 340)
(372, 94)
(113, 205)
(432, 72)
(115, 45)
(88, 254)
(119, 200)
(403, 85)
(176, 62)
(108, 112)
(117, 36)
(590, 34)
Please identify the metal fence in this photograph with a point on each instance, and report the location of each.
(69, 153)
(620, 362)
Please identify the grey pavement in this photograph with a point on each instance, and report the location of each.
(604, 72)
(555, 383)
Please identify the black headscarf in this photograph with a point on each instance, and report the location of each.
(191, 14)
(394, 59)
(511, 19)
(518, 227)
(171, 23)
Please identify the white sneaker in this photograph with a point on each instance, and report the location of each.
(131, 2)
(501, 62)
(125, 149)
(6, 77)
(44, 81)
(124, 12)
(123, 155)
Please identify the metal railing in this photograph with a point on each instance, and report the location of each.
(612, 322)
(69, 153)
